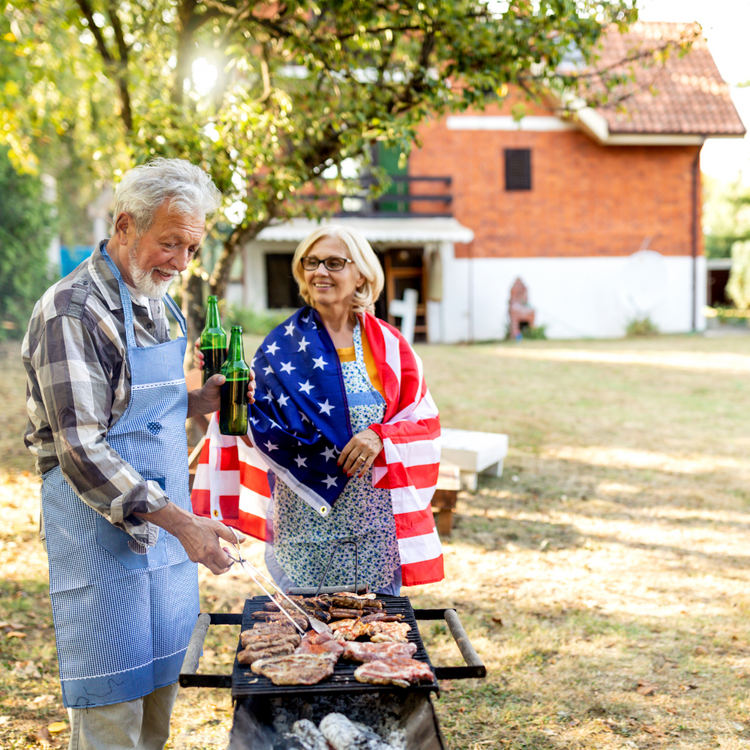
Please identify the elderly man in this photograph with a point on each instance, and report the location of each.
(107, 404)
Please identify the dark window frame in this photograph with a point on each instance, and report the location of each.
(518, 169)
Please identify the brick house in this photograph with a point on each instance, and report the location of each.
(598, 213)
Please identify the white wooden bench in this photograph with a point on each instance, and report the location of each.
(474, 453)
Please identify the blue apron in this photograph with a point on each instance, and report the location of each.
(124, 612)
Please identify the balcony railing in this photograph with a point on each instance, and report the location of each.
(408, 196)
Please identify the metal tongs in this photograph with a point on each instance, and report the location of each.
(317, 625)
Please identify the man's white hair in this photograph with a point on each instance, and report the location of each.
(142, 191)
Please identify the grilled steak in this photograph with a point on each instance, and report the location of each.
(248, 638)
(365, 652)
(296, 669)
(385, 632)
(349, 630)
(253, 653)
(400, 671)
(315, 644)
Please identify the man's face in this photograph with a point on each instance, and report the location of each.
(159, 254)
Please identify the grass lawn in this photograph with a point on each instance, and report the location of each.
(603, 578)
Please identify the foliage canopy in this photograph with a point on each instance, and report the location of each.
(272, 97)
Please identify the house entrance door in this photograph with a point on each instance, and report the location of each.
(405, 269)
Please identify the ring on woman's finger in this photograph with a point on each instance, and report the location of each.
(361, 458)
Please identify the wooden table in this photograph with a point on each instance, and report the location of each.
(445, 497)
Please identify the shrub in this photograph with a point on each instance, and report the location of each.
(255, 322)
(25, 233)
(642, 326)
(534, 333)
(738, 286)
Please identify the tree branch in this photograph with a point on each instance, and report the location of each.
(117, 68)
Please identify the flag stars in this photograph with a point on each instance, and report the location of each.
(268, 397)
(330, 482)
(272, 348)
(267, 370)
(300, 461)
(306, 387)
(319, 362)
(303, 344)
(283, 399)
(329, 453)
(289, 329)
(326, 408)
(287, 367)
(271, 447)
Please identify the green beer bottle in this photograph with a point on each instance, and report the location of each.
(233, 408)
(213, 341)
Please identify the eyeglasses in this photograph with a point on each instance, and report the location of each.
(332, 264)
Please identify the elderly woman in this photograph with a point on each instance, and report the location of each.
(345, 423)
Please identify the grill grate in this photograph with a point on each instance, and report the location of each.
(245, 682)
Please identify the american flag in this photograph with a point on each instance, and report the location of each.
(300, 423)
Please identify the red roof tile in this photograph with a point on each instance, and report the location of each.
(684, 94)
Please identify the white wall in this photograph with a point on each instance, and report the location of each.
(572, 297)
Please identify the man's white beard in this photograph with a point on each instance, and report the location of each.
(144, 281)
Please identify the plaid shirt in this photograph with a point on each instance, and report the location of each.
(78, 386)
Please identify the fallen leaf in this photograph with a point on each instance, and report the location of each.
(15, 634)
(26, 670)
(57, 726)
(16, 625)
(497, 618)
(653, 730)
(701, 650)
(42, 699)
(4, 719)
(446, 685)
(688, 687)
(645, 688)
(43, 737)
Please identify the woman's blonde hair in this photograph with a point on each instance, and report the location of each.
(362, 254)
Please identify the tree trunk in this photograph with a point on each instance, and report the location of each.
(194, 311)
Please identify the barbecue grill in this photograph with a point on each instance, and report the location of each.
(262, 709)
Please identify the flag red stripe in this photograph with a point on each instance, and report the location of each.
(416, 523)
(426, 571)
(254, 479)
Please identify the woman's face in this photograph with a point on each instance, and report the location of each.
(332, 287)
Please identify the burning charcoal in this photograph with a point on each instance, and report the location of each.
(309, 733)
(342, 734)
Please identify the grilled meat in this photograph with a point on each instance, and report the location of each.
(349, 630)
(385, 632)
(366, 652)
(355, 601)
(253, 653)
(315, 644)
(278, 616)
(344, 614)
(343, 734)
(296, 669)
(400, 671)
(382, 616)
(260, 640)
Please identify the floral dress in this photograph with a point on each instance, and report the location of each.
(304, 541)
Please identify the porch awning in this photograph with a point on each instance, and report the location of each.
(407, 230)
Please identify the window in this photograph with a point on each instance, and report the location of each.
(281, 286)
(517, 169)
